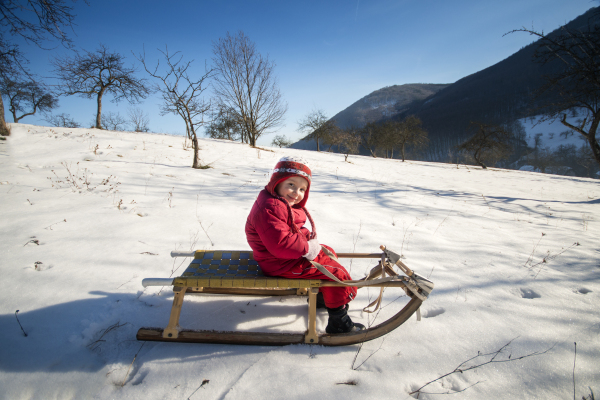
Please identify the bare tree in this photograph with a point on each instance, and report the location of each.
(409, 132)
(488, 143)
(385, 139)
(224, 125)
(585, 159)
(138, 120)
(347, 141)
(94, 74)
(281, 141)
(369, 137)
(318, 126)
(245, 84)
(113, 121)
(62, 120)
(543, 158)
(27, 98)
(182, 95)
(518, 140)
(36, 21)
(577, 84)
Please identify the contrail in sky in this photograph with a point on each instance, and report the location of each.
(356, 15)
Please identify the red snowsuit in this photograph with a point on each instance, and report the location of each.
(279, 251)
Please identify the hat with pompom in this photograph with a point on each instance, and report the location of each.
(287, 167)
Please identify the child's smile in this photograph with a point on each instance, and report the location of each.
(292, 189)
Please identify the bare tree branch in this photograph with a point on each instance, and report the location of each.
(138, 119)
(36, 21)
(493, 358)
(27, 98)
(94, 74)
(409, 132)
(245, 84)
(318, 126)
(489, 142)
(281, 141)
(576, 84)
(182, 95)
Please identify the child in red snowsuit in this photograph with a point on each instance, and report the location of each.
(284, 247)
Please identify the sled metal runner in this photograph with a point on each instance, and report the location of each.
(237, 273)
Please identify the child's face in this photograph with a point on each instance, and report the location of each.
(292, 189)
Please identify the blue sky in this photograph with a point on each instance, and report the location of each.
(328, 54)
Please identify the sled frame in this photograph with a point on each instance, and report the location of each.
(265, 286)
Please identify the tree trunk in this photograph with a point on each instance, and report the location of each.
(194, 138)
(318, 148)
(592, 140)
(17, 119)
(403, 152)
(99, 112)
(187, 129)
(4, 131)
(195, 144)
(476, 157)
(590, 136)
(252, 139)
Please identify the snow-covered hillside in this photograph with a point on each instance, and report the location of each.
(550, 132)
(87, 214)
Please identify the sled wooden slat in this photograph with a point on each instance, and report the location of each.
(233, 269)
(247, 291)
(248, 338)
(235, 272)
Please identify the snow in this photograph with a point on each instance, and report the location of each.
(550, 131)
(529, 168)
(514, 255)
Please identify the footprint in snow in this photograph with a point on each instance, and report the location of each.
(529, 294)
(583, 290)
(39, 266)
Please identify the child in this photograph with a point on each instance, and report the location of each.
(283, 246)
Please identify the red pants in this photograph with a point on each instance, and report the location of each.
(334, 296)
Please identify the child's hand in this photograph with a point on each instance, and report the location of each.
(314, 248)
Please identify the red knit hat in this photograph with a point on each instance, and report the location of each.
(287, 167)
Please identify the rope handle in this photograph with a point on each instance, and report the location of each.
(380, 269)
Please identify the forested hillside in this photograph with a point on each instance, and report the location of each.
(503, 93)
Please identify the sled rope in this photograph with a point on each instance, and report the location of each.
(369, 280)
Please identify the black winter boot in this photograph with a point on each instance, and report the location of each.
(340, 322)
(320, 300)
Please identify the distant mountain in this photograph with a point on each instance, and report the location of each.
(502, 92)
(385, 103)
(377, 106)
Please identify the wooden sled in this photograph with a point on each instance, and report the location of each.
(237, 273)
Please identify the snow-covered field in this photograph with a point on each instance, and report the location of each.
(87, 214)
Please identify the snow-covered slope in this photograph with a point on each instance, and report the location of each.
(551, 133)
(87, 214)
